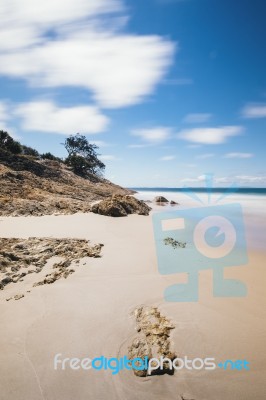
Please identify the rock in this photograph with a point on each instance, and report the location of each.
(121, 206)
(160, 199)
(5, 282)
(153, 339)
(110, 208)
(18, 296)
(35, 252)
(174, 202)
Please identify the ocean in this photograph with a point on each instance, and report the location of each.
(251, 200)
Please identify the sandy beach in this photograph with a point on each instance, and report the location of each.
(89, 314)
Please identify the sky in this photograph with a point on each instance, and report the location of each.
(168, 89)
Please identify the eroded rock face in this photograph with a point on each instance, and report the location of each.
(31, 255)
(121, 206)
(44, 187)
(153, 339)
(160, 199)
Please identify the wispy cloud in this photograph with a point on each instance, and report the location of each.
(138, 146)
(107, 157)
(243, 180)
(45, 116)
(215, 135)
(240, 180)
(254, 111)
(197, 118)
(239, 155)
(155, 135)
(198, 179)
(205, 156)
(100, 143)
(167, 158)
(84, 50)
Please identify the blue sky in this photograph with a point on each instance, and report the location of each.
(168, 89)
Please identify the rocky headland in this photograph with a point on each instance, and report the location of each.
(32, 186)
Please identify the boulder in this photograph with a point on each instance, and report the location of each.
(160, 199)
(5, 282)
(173, 202)
(153, 340)
(120, 206)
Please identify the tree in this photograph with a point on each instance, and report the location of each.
(29, 151)
(50, 156)
(9, 144)
(83, 156)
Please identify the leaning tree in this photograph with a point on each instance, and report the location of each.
(82, 156)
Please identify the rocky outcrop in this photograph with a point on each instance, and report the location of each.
(121, 206)
(173, 203)
(160, 199)
(153, 339)
(42, 187)
(20, 257)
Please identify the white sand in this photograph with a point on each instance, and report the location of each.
(88, 315)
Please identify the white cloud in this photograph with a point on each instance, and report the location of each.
(243, 180)
(65, 43)
(240, 180)
(138, 146)
(100, 143)
(49, 12)
(239, 155)
(198, 179)
(215, 135)
(155, 135)
(254, 111)
(45, 116)
(107, 157)
(167, 158)
(197, 118)
(205, 156)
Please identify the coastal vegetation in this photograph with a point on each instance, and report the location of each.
(82, 156)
